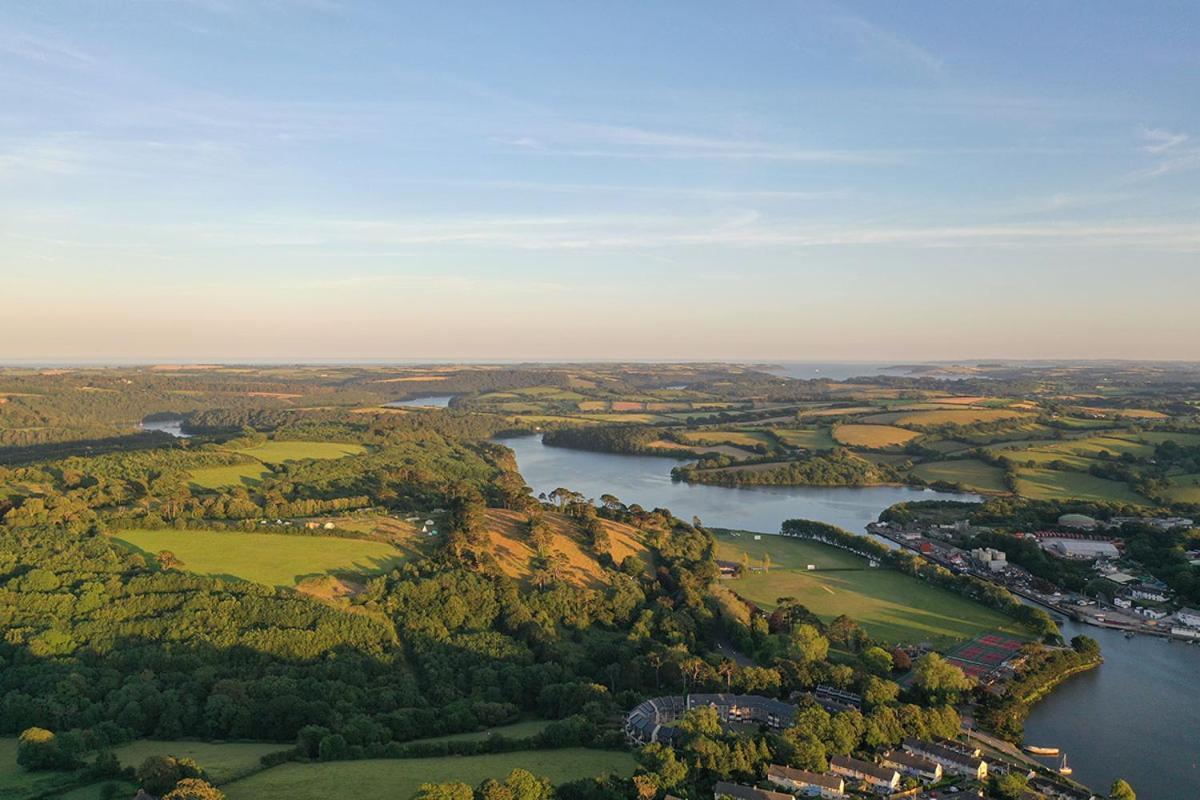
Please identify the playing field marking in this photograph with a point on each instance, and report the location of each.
(826, 588)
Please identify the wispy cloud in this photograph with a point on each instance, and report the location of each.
(1171, 151)
(43, 50)
(882, 44)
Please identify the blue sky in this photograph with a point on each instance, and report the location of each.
(335, 179)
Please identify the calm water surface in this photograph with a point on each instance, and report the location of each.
(171, 426)
(432, 401)
(646, 480)
(1137, 716)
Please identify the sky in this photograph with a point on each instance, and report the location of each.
(330, 179)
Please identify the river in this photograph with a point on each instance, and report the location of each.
(1137, 716)
(429, 401)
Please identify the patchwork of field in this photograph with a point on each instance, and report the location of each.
(972, 474)
(268, 558)
(402, 778)
(873, 436)
(891, 606)
(957, 416)
(1048, 484)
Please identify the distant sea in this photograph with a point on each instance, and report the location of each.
(834, 370)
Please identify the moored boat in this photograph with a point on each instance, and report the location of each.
(1040, 751)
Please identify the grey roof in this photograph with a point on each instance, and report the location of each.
(804, 776)
(910, 760)
(865, 767)
(736, 790)
(943, 752)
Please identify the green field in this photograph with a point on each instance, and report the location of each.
(808, 438)
(891, 606)
(16, 783)
(402, 778)
(957, 416)
(1184, 489)
(221, 761)
(231, 475)
(268, 558)
(1048, 484)
(735, 438)
(970, 473)
(518, 730)
(279, 452)
(872, 435)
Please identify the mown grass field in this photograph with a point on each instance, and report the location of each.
(279, 452)
(735, 438)
(267, 558)
(808, 438)
(223, 761)
(874, 436)
(402, 778)
(891, 606)
(231, 475)
(1048, 484)
(970, 473)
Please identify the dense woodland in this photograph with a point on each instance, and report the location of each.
(103, 644)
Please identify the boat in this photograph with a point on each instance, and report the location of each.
(1065, 769)
(1040, 751)
(1128, 634)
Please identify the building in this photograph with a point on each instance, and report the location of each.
(809, 784)
(739, 792)
(1120, 578)
(1082, 549)
(954, 760)
(914, 765)
(882, 780)
(1189, 617)
(1149, 591)
(1078, 521)
(653, 720)
(991, 559)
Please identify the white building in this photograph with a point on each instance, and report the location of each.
(1083, 549)
(1189, 617)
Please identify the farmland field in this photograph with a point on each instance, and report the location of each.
(1048, 484)
(957, 416)
(222, 761)
(231, 475)
(811, 438)
(267, 558)
(274, 452)
(891, 606)
(402, 778)
(736, 438)
(517, 730)
(970, 473)
(872, 435)
(1184, 489)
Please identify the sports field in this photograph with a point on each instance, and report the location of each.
(872, 435)
(891, 606)
(268, 558)
(401, 778)
(972, 474)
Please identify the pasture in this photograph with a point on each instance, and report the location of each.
(891, 606)
(970, 473)
(268, 558)
(402, 778)
(277, 452)
(1049, 484)
(872, 436)
(956, 416)
(735, 438)
(1184, 489)
(806, 438)
(229, 475)
(222, 761)
(517, 730)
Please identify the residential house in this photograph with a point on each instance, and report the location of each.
(912, 764)
(953, 759)
(881, 780)
(740, 792)
(810, 784)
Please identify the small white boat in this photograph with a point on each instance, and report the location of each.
(1065, 769)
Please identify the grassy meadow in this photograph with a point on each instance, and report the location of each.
(873, 436)
(972, 474)
(1049, 484)
(891, 606)
(222, 761)
(268, 558)
(274, 452)
(402, 778)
